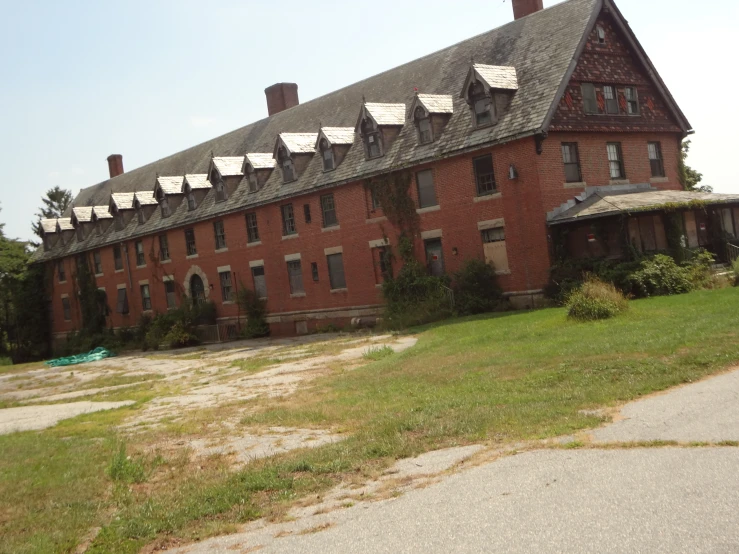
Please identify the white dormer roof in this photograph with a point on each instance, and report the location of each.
(228, 166)
(492, 76)
(433, 103)
(101, 212)
(145, 198)
(170, 185)
(296, 143)
(383, 114)
(122, 200)
(195, 181)
(259, 160)
(336, 135)
(48, 225)
(82, 214)
(64, 224)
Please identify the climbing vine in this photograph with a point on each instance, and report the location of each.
(392, 192)
(92, 301)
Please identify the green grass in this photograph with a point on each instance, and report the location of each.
(254, 365)
(376, 353)
(500, 378)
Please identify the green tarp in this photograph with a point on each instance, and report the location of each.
(93, 356)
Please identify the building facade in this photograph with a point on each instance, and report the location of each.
(492, 133)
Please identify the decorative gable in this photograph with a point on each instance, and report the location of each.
(257, 168)
(65, 229)
(195, 187)
(334, 143)
(225, 174)
(82, 221)
(293, 152)
(488, 90)
(379, 125)
(144, 203)
(49, 234)
(430, 113)
(168, 192)
(101, 218)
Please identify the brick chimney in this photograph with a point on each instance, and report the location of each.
(281, 96)
(522, 8)
(115, 165)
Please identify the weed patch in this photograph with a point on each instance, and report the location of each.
(375, 353)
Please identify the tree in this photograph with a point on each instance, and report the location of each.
(56, 202)
(689, 177)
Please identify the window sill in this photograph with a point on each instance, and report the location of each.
(506, 272)
(619, 182)
(167, 261)
(99, 275)
(659, 180)
(65, 282)
(332, 228)
(576, 185)
(335, 291)
(428, 210)
(228, 303)
(487, 197)
(376, 219)
(220, 250)
(141, 266)
(191, 257)
(378, 286)
(117, 271)
(289, 237)
(298, 295)
(251, 244)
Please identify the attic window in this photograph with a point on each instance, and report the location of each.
(191, 201)
(251, 177)
(423, 121)
(164, 204)
(481, 104)
(80, 234)
(286, 164)
(372, 141)
(327, 155)
(140, 214)
(219, 186)
(601, 32)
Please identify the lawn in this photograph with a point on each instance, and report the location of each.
(501, 378)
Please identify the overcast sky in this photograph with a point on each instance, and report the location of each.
(146, 78)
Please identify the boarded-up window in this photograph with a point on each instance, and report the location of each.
(295, 276)
(122, 303)
(691, 230)
(646, 232)
(260, 285)
(494, 246)
(169, 291)
(590, 102)
(336, 271)
(426, 189)
(67, 309)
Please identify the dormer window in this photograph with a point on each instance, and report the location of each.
(140, 214)
(327, 155)
(601, 32)
(80, 234)
(163, 203)
(481, 104)
(423, 122)
(372, 139)
(251, 177)
(286, 164)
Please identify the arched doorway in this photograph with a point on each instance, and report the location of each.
(197, 290)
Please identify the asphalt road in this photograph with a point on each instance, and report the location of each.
(674, 499)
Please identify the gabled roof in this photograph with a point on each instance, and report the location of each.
(228, 166)
(170, 185)
(196, 181)
(433, 103)
(336, 135)
(296, 143)
(383, 114)
(145, 198)
(48, 225)
(64, 224)
(493, 77)
(83, 214)
(122, 200)
(259, 160)
(101, 212)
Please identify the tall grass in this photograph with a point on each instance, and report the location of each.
(596, 300)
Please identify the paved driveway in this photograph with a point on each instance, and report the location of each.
(671, 499)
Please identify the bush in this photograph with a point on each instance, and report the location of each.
(735, 269)
(596, 300)
(661, 276)
(414, 297)
(476, 289)
(256, 314)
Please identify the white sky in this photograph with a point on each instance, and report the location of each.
(84, 79)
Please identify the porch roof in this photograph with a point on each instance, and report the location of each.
(600, 202)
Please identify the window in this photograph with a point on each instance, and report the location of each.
(163, 248)
(601, 33)
(220, 191)
(97, 263)
(190, 242)
(140, 214)
(164, 204)
(145, 298)
(481, 104)
(62, 273)
(434, 257)
(140, 256)
(590, 101)
(571, 159)
(191, 203)
(484, 175)
(122, 303)
(117, 258)
(327, 154)
(67, 309)
(286, 163)
(426, 189)
(372, 142)
(260, 284)
(251, 176)
(169, 292)
(336, 271)
(220, 233)
(314, 271)
(382, 263)
(328, 207)
(375, 200)
(632, 100)
(295, 276)
(494, 247)
(306, 213)
(197, 290)
(225, 278)
(81, 261)
(423, 121)
(252, 231)
(288, 220)
(615, 160)
(609, 93)
(655, 159)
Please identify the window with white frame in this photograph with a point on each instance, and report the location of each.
(327, 155)
(252, 230)
(632, 100)
(615, 161)
(571, 160)
(226, 287)
(140, 255)
(145, 298)
(423, 122)
(655, 159)
(220, 233)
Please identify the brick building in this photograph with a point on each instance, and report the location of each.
(496, 132)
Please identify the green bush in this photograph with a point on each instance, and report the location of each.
(476, 289)
(661, 276)
(596, 300)
(256, 313)
(414, 297)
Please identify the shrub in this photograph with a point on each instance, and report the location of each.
(735, 269)
(661, 276)
(596, 300)
(414, 297)
(476, 289)
(256, 314)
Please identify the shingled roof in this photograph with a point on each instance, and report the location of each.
(541, 48)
